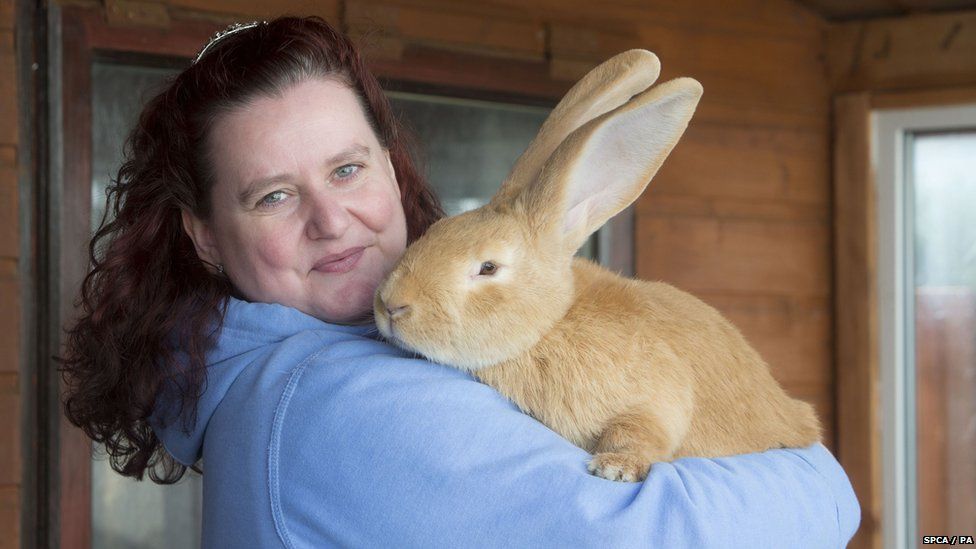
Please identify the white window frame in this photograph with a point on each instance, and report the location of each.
(892, 130)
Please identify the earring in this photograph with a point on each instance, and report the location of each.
(220, 268)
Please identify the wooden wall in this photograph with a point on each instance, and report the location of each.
(11, 287)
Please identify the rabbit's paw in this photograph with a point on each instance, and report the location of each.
(617, 466)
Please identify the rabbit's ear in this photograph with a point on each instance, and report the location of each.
(603, 89)
(603, 167)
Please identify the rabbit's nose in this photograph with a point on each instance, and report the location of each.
(396, 310)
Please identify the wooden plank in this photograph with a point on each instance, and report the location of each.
(920, 51)
(958, 95)
(10, 516)
(8, 89)
(137, 13)
(575, 49)
(777, 18)
(449, 29)
(752, 68)
(726, 113)
(235, 10)
(7, 17)
(856, 323)
(10, 319)
(746, 71)
(184, 38)
(10, 460)
(482, 76)
(738, 208)
(739, 256)
(793, 334)
(70, 508)
(9, 383)
(746, 162)
(861, 9)
(9, 204)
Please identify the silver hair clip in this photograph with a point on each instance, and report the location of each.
(236, 27)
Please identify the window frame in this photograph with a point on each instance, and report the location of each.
(892, 131)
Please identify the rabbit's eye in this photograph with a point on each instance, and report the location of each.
(488, 268)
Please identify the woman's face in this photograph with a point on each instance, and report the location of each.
(306, 206)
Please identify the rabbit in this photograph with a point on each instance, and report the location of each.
(633, 372)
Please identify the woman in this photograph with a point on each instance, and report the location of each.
(226, 319)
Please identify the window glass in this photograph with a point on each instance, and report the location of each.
(127, 513)
(942, 173)
(469, 146)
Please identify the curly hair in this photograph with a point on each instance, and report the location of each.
(150, 308)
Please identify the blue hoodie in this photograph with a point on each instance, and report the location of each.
(319, 435)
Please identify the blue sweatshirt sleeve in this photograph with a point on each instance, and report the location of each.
(388, 452)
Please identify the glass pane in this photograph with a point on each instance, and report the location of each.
(469, 146)
(127, 513)
(943, 179)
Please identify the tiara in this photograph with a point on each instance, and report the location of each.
(236, 27)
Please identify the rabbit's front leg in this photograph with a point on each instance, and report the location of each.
(632, 442)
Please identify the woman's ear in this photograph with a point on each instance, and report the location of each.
(202, 237)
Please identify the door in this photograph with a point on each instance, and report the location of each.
(926, 188)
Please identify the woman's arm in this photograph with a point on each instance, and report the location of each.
(390, 451)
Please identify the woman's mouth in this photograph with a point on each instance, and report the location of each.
(339, 263)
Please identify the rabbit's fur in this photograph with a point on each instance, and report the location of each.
(634, 372)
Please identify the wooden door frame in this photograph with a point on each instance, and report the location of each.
(79, 36)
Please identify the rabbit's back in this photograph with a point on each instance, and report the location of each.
(625, 343)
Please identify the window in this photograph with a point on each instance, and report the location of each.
(926, 191)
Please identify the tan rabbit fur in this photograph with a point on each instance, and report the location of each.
(634, 372)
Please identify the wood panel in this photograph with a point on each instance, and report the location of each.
(779, 19)
(923, 51)
(10, 325)
(10, 462)
(855, 320)
(739, 88)
(867, 9)
(8, 88)
(777, 74)
(739, 256)
(11, 401)
(789, 166)
(740, 207)
(9, 201)
(453, 31)
(955, 95)
(229, 10)
(9, 517)
(71, 502)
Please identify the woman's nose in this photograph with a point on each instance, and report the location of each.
(327, 218)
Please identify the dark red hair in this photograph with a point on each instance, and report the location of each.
(150, 308)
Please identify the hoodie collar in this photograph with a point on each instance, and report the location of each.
(247, 330)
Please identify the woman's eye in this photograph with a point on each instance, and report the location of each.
(272, 199)
(488, 268)
(347, 171)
